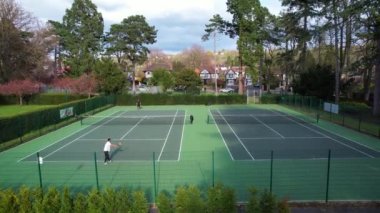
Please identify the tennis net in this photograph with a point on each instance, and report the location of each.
(135, 120)
(260, 119)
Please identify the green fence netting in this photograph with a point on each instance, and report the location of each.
(17, 127)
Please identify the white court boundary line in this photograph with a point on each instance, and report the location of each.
(183, 130)
(224, 141)
(167, 136)
(57, 141)
(131, 129)
(267, 126)
(128, 139)
(236, 136)
(274, 138)
(333, 139)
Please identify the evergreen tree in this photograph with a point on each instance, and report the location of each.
(80, 36)
(52, 200)
(140, 203)
(80, 203)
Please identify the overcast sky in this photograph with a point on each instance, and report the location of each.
(180, 23)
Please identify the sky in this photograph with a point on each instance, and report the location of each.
(180, 23)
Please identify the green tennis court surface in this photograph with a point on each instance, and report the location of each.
(138, 134)
(233, 145)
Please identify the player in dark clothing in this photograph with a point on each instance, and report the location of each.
(191, 119)
(138, 103)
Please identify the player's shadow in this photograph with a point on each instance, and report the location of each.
(114, 152)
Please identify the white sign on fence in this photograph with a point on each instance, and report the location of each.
(329, 107)
(67, 112)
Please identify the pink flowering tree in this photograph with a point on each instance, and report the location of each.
(19, 88)
(85, 84)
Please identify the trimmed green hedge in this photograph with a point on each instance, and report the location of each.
(179, 99)
(43, 99)
(270, 99)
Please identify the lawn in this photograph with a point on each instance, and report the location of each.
(11, 110)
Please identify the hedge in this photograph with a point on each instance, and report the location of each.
(180, 99)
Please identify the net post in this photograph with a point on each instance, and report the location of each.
(213, 169)
(81, 120)
(328, 177)
(154, 179)
(271, 171)
(208, 119)
(39, 169)
(317, 117)
(96, 172)
(360, 124)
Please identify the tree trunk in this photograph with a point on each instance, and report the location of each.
(20, 99)
(376, 101)
(241, 77)
(337, 60)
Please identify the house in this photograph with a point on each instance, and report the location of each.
(150, 68)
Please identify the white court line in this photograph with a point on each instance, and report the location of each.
(236, 136)
(267, 126)
(61, 140)
(130, 130)
(167, 136)
(127, 139)
(271, 138)
(78, 138)
(224, 141)
(353, 148)
(183, 130)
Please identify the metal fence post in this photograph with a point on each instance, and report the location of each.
(96, 172)
(328, 177)
(154, 178)
(39, 161)
(271, 171)
(213, 169)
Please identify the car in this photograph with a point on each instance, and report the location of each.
(226, 90)
(143, 88)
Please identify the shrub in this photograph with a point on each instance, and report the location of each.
(9, 201)
(123, 199)
(25, 197)
(52, 200)
(95, 201)
(188, 199)
(267, 202)
(353, 108)
(220, 199)
(66, 202)
(80, 203)
(139, 204)
(164, 202)
(253, 201)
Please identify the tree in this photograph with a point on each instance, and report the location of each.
(197, 58)
(140, 204)
(302, 10)
(17, 51)
(20, 88)
(370, 19)
(188, 79)
(127, 41)
(85, 84)
(80, 35)
(162, 78)
(250, 24)
(317, 81)
(111, 79)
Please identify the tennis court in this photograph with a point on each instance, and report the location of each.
(138, 134)
(251, 134)
(265, 146)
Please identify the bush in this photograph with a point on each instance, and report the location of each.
(164, 202)
(270, 99)
(139, 204)
(220, 199)
(354, 108)
(180, 99)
